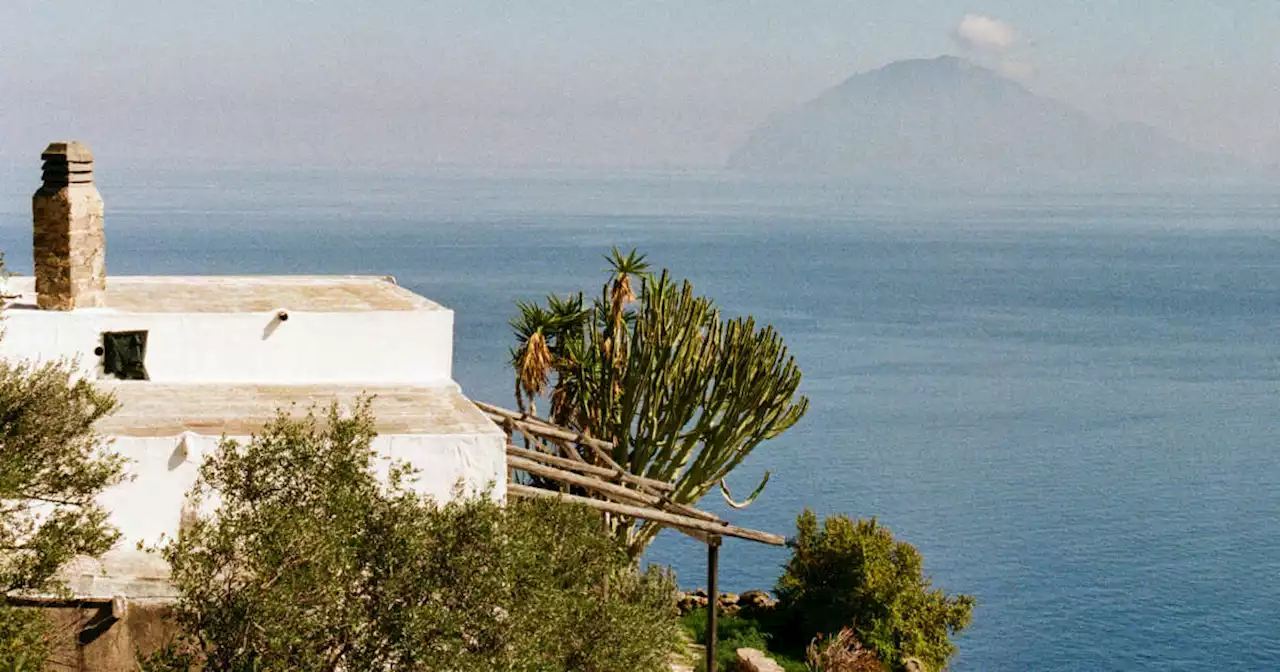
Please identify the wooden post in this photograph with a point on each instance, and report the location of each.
(713, 598)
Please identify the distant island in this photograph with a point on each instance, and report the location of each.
(947, 120)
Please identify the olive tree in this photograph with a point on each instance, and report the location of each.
(683, 393)
(52, 467)
(312, 561)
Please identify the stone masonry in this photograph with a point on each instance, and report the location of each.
(70, 246)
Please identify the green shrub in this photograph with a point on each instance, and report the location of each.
(733, 633)
(853, 573)
(24, 640)
(311, 562)
(561, 563)
(53, 466)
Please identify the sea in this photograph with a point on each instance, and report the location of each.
(1068, 400)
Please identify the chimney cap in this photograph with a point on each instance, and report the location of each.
(71, 152)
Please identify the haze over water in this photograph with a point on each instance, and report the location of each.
(1067, 401)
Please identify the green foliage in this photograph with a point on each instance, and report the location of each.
(853, 573)
(311, 562)
(24, 640)
(683, 394)
(52, 466)
(735, 632)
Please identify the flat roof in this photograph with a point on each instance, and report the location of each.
(244, 294)
(168, 409)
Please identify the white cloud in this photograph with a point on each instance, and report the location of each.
(979, 32)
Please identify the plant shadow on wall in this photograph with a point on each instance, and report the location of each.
(311, 562)
(683, 394)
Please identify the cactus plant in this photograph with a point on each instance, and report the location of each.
(684, 394)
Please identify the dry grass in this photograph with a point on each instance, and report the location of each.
(842, 653)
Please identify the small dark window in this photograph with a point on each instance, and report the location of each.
(124, 354)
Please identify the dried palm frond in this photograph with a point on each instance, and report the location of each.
(842, 653)
(533, 365)
(620, 295)
(621, 291)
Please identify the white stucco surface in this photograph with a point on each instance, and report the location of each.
(436, 430)
(169, 409)
(164, 469)
(221, 363)
(411, 344)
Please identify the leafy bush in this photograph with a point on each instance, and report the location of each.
(24, 640)
(852, 573)
(735, 632)
(580, 602)
(53, 465)
(311, 562)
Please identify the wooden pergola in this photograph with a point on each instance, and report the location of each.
(573, 459)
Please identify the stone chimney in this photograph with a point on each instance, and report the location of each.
(70, 247)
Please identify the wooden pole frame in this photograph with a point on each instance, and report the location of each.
(670, 519)
(645, 499)
(713, 599)
(606, 488)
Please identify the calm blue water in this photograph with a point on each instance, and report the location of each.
(1068, 402)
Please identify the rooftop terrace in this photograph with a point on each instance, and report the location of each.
(156, 409)
(244, 294)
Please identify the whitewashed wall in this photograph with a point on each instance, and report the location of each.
(148, 509)
(165, 469)
(365, 348)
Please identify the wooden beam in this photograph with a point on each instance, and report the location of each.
(606, 488)
(713, 600)
(61, 602)
(560, 448)
(693, 534)
(537, 425)
(665, 517)
(649, 486)
(532, 424)
(582, 467)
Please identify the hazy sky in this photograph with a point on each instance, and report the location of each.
(596, 82)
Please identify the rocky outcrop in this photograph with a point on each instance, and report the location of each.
(750, 602)
(754, 660)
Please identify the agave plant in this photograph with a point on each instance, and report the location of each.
(683, 394)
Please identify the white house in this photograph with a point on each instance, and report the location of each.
(193, 359)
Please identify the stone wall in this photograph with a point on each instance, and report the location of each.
(69, 243)
(753, 660)
(98, 638)
(731, 604)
